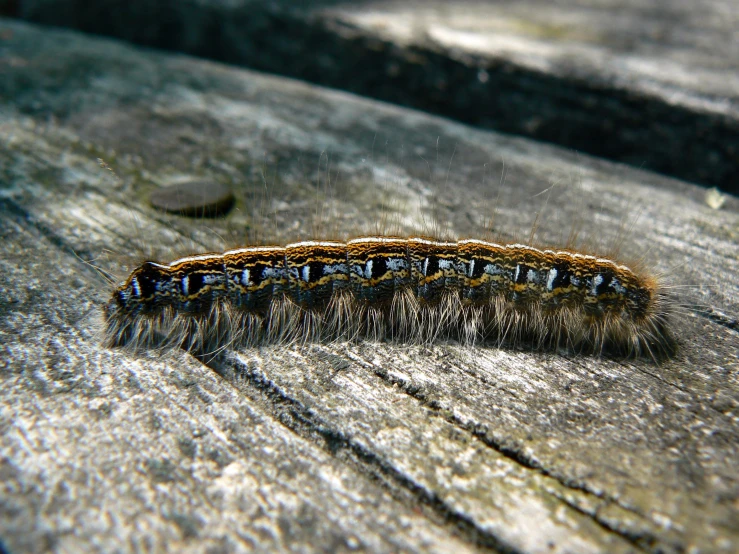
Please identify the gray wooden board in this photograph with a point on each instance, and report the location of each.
(632, 81)
(381, 447)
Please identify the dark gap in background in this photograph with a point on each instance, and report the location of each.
(286, 39)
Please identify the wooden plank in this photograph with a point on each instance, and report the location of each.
(377, 446)
(623, 80)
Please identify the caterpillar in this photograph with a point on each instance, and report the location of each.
(414, 289)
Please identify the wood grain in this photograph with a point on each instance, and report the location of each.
(380, 447)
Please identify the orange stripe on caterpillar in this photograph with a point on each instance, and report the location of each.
(377, 287)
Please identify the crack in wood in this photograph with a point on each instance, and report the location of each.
(304, 422)
(645, 541)
(717, 317)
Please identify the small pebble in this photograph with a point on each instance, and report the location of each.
(194, 199)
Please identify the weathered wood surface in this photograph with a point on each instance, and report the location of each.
(631, 81)
(341, 447)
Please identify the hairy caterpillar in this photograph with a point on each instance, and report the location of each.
(382, 287)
